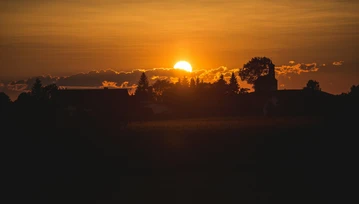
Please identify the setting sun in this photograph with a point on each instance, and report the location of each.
(183, 65)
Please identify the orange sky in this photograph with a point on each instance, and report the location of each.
(62, 38)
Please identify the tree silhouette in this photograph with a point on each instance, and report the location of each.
(221, 80)
(150, 93)
(143, 83)
(256, 67)
(185, 82)
(312, 85)
(142, 86)
(243, 90)
(36, 90)
(159, 87)
(178, 83)
(354, 91)
(24, 100)
(197, 81)
(4, 99)
(192, 83)
(50, 90)
(143, 90)
(233, 84)
(4, 102)
(221, 85)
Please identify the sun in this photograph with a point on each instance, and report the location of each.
(183, 65)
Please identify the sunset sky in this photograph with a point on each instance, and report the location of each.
(305, 39)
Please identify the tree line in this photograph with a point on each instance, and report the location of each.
(163, 89)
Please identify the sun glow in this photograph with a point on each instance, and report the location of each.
(183, 65)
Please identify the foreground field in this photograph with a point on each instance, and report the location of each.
(213, 160)
(225, 123)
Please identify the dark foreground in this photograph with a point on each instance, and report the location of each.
(223, 160)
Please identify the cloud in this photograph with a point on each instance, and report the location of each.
(18, 87)
(213, 75)
(338, 63)
(25, 85)
(114, 79)
(111, 78)
(160, 78)
(125, 85)
(121, 79)
(297, 68)
(110, 84)
(117, 79)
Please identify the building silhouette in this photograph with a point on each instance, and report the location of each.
(267, 83)
(96, 102)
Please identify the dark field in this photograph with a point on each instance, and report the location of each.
(215, 160)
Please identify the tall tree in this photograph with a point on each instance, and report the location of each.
(197, 81)
(142, 84)
(233, 85)
(36, 89)
(192, 83)
(312, 85)
(221, 80)
(185, 82)
(159, 87)
(142, 90)
(178, 83)
(256, 67)
(221, 85)
(50, 90)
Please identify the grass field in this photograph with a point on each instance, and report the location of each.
(225, 123)
(204, 160)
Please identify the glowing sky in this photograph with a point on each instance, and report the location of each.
(63, 37)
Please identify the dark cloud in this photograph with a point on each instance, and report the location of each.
(115, 79)
(122, 79)
(17, 87)
(24, 85)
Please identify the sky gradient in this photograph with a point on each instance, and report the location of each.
(64, 38)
